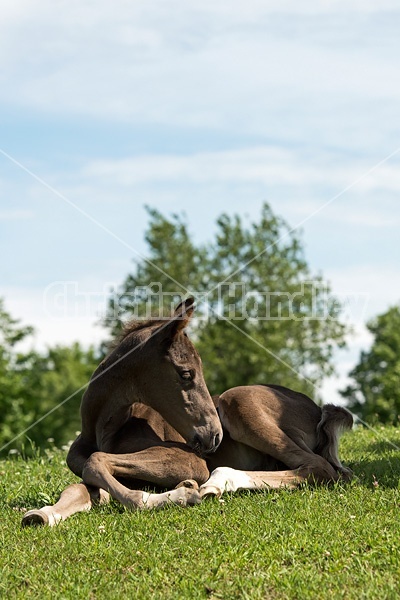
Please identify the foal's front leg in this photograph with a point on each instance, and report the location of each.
(162, 466)
(77, 497)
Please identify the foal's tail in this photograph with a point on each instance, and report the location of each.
(335, 420)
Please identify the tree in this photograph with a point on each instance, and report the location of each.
(32, 384)
(15, 416)
(262, 316)
(54, 384)
(374, 393)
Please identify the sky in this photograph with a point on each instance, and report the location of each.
(195, 108)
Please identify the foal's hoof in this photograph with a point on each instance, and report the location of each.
(34, 517)
(182, 496)
(188, 483)
(192, 497)
(345, 474)
(210, 491)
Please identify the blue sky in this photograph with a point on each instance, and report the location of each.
(205, 108)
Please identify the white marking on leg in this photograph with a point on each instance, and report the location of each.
(225, 479)
(54, 517)
(145, 497)
(181, 496)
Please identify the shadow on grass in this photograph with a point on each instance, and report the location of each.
(387, 445)
(374, 472)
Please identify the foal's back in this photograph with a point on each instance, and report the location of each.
(281, 406)
(266, 427)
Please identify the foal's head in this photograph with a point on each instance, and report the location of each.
(171, 380)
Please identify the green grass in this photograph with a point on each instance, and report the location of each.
(340, 542)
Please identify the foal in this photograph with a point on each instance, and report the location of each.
(148, 419)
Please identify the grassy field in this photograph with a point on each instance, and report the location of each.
(340, 542)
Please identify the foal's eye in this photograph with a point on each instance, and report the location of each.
(186, 375)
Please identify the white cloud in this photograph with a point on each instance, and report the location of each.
(374, 288)
(351, 186)
(15, 215)
(73, 315)
(181, 63)
(268, 165)
(261, 165)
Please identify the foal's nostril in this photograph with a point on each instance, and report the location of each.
(205, 446)
(217, 440)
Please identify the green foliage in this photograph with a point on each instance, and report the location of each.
(33, 384)
(58, 379)
(264, 317)
(375, 392)
(260, 320)
(315, 543)
(15, 412)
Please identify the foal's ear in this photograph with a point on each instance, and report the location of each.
(179, 320)
(184, 311)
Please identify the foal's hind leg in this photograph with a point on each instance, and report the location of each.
(226, 479)
(159, 465)
(262, 432)
(77, 497)
(309, 467)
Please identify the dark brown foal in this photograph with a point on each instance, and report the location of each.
(148, 419)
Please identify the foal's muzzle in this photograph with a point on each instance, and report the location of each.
(206, 444)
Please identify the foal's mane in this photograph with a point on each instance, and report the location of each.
(137, 325)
